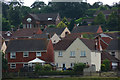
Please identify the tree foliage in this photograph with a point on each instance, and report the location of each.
(78, 67)
(100, 19)
(105, 66)
(4, 63)
(61, 25)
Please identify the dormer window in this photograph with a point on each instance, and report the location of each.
(49, 19)
(29, 19)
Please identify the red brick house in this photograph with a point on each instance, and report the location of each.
(38, 20)
(21, 51)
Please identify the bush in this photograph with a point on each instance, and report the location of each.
(79, 67)
(38, 68)
(106, 65)
(47, 67)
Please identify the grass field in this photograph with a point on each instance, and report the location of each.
(71, 78)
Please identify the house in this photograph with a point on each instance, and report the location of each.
(26, 33)
(114, 62)
(88, 21)
(114, 48)
(53, 36)
(103, 41)
(42, 19)
(7, 35)
(20, 51)
(91, 29)
(61, 32)
(67, 52)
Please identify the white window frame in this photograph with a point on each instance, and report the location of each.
(25, 53)
(25, 64)
(38, 55)
(12, 54)
(30, 25)
(11, 65)
(60, 54)
(27, 25)
(83, 54)
(72, 53)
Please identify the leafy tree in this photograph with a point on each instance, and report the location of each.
(5, 24)
(97, 4)
(78, 67)
(4, 63)
(64, 20)
(103, 7)
(47, 9)
(38, 4)
(113, 22)
(61, 25)
(105, 65)
(71, 25)
(100, 19)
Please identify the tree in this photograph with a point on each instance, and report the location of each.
(4, 63)
(100, 19)
(38, 4)
(113, 22)
(61, 25)
(105, 66)
(5, 24)
(64, 20)
(71, 25)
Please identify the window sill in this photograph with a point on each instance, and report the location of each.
(72, 56)
(83, 56)
(60, 56)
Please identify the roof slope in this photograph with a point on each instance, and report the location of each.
(114, 45)
(58, 31)
(44, 16)
(106, 55)
(80, 29)
(27, 45)
(65, 43)
(27, 32)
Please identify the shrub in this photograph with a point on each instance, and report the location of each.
(38, 68)
(106, 65)
(47, 67)
(78, 67)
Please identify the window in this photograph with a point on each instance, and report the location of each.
(13, 66)
(27, 25)
(60, 54)
(8, 34)
(25, 54)
(49, 19)
(83, 54)
(25, 65)
(72, 64)
(113, 53)
(72, 53)
(38, 54)
(30, 25)
(12, 55)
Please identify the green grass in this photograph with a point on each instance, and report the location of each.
(70, 78)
